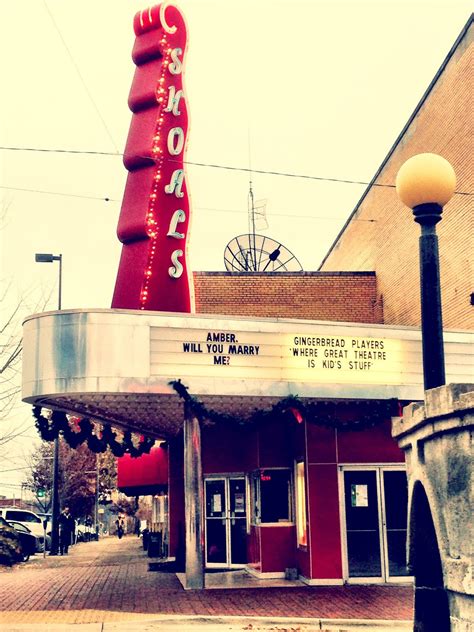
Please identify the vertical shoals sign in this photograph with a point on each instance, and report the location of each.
(155, 214)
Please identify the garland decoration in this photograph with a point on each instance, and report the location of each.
(330, 414)
(57, 423)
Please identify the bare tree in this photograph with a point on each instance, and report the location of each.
(16, 421)
(10, 356)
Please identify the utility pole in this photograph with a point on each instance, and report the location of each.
(50, 258)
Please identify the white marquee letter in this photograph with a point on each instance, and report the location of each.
(173, 101)
(176, 183)
(178, 217)
(176, 67)
(176, 270)
(173, 149)
(163, 22)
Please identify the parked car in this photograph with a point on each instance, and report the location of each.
(28, 541)
(84, 532)
(11, 549)
(28, 519)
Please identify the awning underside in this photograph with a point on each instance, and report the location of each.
(161, 415)
(149, 413)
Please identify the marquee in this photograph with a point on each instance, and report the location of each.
(119, 363)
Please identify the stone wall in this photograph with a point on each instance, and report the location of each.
(437, 440)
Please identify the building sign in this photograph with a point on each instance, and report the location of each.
(344, 353)
(70, 352)
(305, 357)
(154, 219)
(359, 496)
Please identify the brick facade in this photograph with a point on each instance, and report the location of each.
(442, 124)
(337, 296)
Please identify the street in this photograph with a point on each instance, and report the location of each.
(107, 585)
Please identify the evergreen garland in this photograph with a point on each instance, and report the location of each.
(49, 430)
(370, 414)
(325, 414)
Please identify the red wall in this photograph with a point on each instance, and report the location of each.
(278, 548)
(228, 448)
(254, 554)
(374, 445)
(234, 448)
(325, 535)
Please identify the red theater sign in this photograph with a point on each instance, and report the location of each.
(155, 213)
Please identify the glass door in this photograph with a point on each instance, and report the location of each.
(226, 522)
(362, 524)
(237, 521)
(216, 530)
(395, 494)
(375, 513)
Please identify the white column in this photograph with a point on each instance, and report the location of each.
(193, 501)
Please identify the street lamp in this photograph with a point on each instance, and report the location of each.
(425, 183)
(41, 257)
(49, 258)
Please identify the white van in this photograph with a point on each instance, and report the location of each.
(29, 519)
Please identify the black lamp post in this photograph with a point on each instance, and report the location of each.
(426, 183)
(48, 258)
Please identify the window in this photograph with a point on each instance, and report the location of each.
(21, 516)
(271, 497)
(20, 527)
(301, 523)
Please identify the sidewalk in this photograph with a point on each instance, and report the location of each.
(108, 585)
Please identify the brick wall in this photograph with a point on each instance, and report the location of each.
(338, 296)
(389, 245)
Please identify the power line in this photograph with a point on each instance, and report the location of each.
(74, 195)
(76, 67)
(214, 166)
(16, 469)
(194, 164)
(64, 151)
(196, 208)
(276, 214)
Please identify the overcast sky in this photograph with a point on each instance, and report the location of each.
(320, 88)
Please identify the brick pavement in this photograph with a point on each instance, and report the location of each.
(109, 581)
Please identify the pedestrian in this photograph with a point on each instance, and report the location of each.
(66, 529)
(120, 524)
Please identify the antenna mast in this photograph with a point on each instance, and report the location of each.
(252, 264)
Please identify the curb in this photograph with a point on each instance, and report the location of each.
(254, 624)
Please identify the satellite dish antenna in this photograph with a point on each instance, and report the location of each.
(258, 253)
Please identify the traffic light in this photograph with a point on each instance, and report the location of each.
(41, 492)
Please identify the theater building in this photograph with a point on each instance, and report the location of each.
(381, 287)
(274, 401)
(294, 461)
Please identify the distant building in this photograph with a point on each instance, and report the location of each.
(17, 502)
